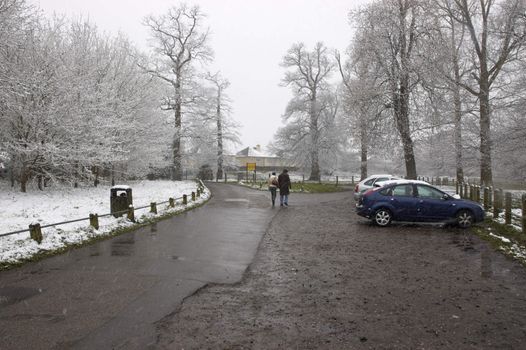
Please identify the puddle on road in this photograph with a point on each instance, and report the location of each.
(463, 241)
(13, 295)
(486, 269)
(124, 245)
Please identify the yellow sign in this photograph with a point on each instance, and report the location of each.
(251, 166)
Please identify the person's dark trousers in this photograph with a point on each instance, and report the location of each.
(273, 194)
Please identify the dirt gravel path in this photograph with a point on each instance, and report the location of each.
(323, 278)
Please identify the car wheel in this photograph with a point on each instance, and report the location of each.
(465, 219)
(382, 217)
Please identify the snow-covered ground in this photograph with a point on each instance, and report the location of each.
(19, 210)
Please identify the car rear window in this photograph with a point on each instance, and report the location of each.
(403, 190)
(369, 182)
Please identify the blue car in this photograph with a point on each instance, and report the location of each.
(416, 201)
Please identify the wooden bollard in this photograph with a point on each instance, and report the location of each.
(477, 193)
(523, 199)
(35, 231)
(198, 193)
(336, 181)
(507, 206)
(460, 190)
(352, 180)
(185, 199)
(466, 195)
(193, 196)
(225, 177)
(456, 190)
(94, 221)
(171, 202)
(486, 198)
(131, 213)
(153, 207)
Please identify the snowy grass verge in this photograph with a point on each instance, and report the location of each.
(507, 239)
(21, 209)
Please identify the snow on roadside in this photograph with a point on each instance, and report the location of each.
(52, 206)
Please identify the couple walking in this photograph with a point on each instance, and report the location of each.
(283, 183)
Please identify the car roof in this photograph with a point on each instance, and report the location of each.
(376, 176)
(401, 182)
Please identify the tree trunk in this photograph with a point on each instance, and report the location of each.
(24, 178)
(176, 145)
(486, 176)
(315, 165)
(364, 147)
(458, 133)
(401, 104)
(219, 174)
(457, 104)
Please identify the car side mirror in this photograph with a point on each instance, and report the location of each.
(446, 196)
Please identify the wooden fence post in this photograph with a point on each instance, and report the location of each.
(465, 191)
(225, 177)
(198, 192)
(336, 180)
(131, 213)
(35, 231)
(153, 207)
(171, 202)
(523, 198)
(486, 198)
(94, 221)
(477, 193)
(193, 196)
(507, 204)
(460, 189)
(185, 199)
(352, 180)
(456, 189)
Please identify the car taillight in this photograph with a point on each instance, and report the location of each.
(356, 188)
(371, 191)
(368, 192)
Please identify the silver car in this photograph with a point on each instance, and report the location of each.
(369, 182)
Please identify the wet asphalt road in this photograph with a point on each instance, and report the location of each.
(110, 294)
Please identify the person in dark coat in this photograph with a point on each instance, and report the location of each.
(284, 187)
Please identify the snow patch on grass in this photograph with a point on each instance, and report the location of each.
(52, 206)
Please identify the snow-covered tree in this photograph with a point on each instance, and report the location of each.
(179, 41)
(307, 74)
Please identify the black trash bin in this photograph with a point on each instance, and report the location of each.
(120, 199)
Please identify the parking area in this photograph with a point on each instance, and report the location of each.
(325, 278)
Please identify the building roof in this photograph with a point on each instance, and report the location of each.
(254, 152)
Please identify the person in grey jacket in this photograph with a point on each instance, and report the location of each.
(273, 186)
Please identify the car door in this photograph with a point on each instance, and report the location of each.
(404, 202)
(432, 206)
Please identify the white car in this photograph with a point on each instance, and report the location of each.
(369, 182)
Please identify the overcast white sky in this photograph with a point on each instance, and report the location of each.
(249, 39)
